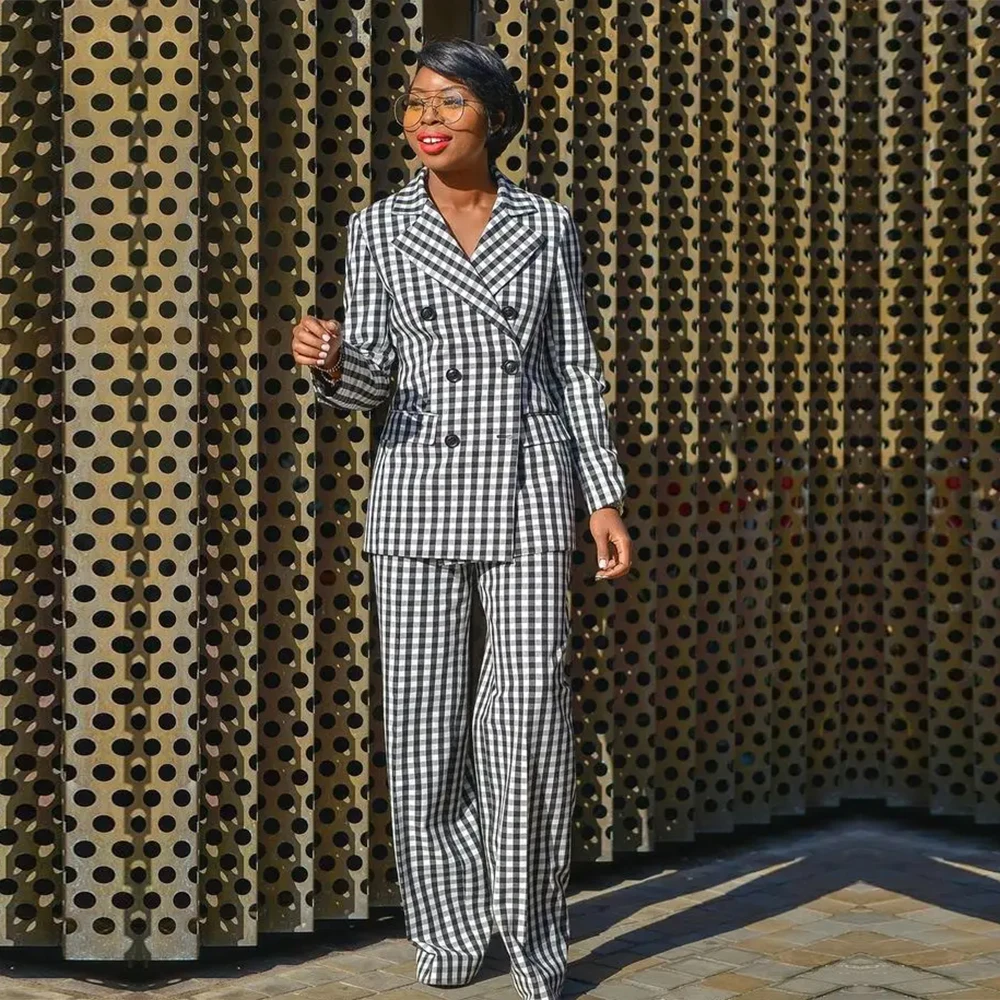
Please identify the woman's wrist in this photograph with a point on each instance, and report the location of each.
(618, 505)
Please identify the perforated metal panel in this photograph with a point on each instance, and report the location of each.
(821, 230)
(787, 212)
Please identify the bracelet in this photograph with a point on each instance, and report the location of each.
(340, 361)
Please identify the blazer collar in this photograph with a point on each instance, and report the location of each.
(508, 243)
(413, 196)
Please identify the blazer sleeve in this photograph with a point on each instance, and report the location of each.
(367, 352)
(579, 372)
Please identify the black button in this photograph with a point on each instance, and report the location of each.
(509, 312)
(427, 312)
(452, 374)
(510, 366)
(451, 440)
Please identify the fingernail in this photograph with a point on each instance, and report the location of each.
(326, 336)
(602, 563)
(322, 353)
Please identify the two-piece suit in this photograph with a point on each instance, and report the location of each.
(497, 411)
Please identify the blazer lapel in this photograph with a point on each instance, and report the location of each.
(507, 245)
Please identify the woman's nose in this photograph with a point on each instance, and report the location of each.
(433, 108)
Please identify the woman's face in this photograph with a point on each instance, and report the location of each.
(442, 138)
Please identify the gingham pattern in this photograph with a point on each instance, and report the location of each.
(498, 404)
(486, 838)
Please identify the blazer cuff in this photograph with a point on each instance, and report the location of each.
(605, 491)
(360, 386)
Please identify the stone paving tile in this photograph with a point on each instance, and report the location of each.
(184, 988)
(393, 950)
(381, 980)
(768, 993)
(805, 935)
(403, 993)
(831, 925)
(315, 974)
(930, 958)
(974, 944)
(504, 993)
(57, 987)
(699, 947)
(241, 993)
(803, 915)
(972, 993)
(734, 981)
(594, 972)
(360, 961)
(808, 958)
(859, 918)
(279, 986)
(765, 944)
(661, 976)
(974, 924)
(621, 989)
(830, 905)
(331, 991)
(770, 971)
(699, 966)
(866, 971)
(862, 993)
(84, 986)
(930, 986)
(734, 957)
(32, 993)
(695, 992)
(807, 986)
(601, 967)
(971, 971)
(855, 942)
(736, 933)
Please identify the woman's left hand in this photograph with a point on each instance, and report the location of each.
(614, 548)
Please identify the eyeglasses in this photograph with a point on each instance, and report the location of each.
(409, 109)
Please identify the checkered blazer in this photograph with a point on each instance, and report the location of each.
(497, 412)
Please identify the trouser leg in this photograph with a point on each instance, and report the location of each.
(423, 608)
(525, 762)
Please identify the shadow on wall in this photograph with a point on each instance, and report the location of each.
(447, 19)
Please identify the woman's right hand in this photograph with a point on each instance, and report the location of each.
(316, 342)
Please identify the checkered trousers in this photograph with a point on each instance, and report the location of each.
(482, 834)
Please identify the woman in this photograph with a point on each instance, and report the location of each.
(469, 289)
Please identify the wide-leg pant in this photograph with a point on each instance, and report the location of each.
(480, 843)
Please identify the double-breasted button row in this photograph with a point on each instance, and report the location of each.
(429, 312)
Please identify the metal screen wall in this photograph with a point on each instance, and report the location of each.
(789, 215)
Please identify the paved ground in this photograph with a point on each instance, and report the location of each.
(852, 909)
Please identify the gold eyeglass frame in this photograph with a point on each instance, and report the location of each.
(435, 103)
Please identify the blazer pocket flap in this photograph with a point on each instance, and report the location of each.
(543, 427)
(409, 427)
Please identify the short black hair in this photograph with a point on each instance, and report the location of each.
(480, 69)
